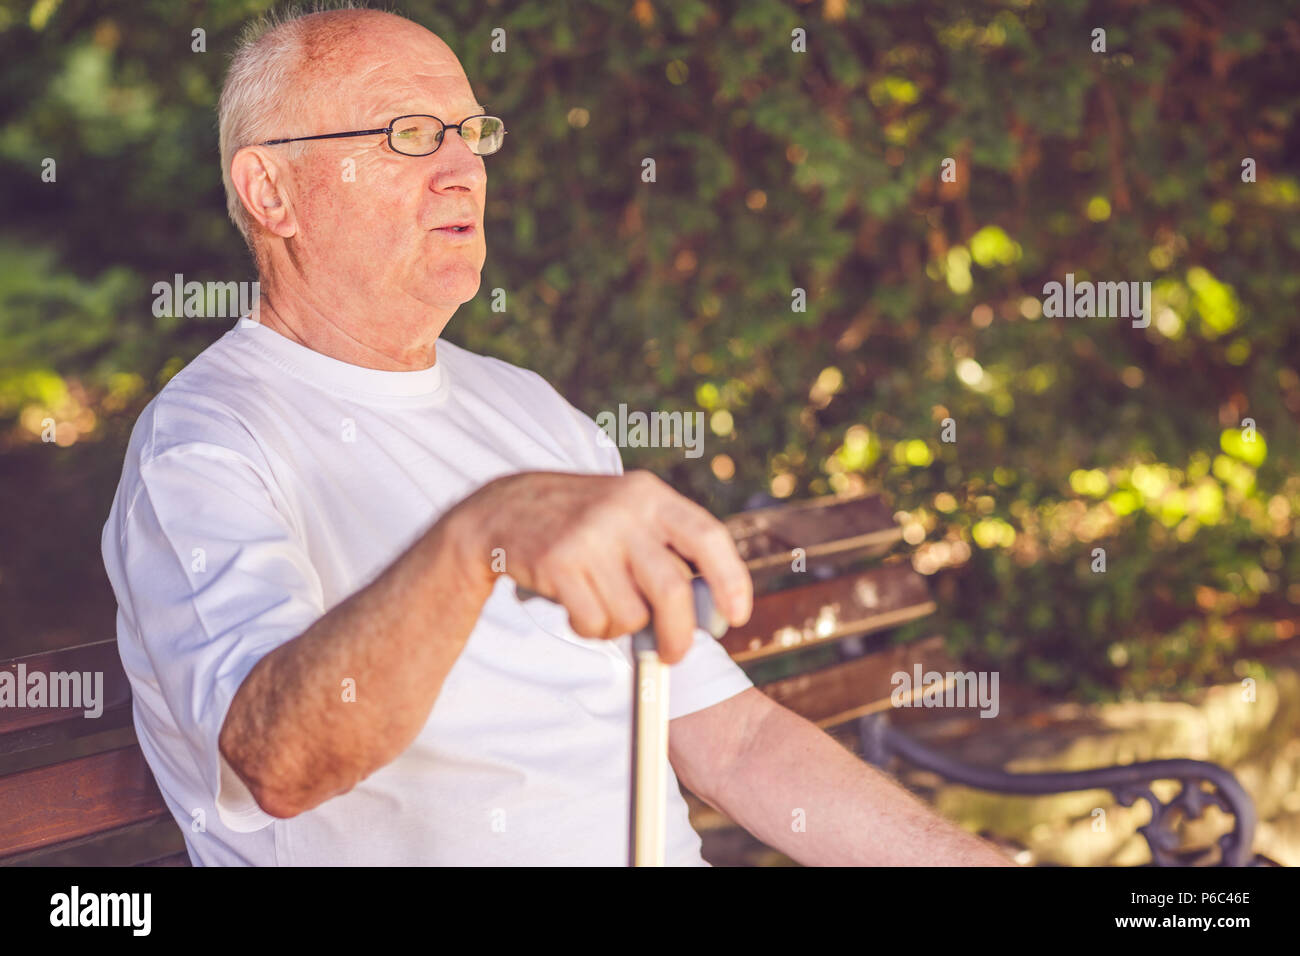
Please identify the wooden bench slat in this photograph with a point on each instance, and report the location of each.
(844, 606)
(132, 845)
(29, 728)
(67, 801)
(823, 528)
(851, 689)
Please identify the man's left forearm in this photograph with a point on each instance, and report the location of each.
(798, 790)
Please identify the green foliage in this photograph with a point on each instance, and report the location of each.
(779, 170)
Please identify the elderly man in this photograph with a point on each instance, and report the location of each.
(307, 542)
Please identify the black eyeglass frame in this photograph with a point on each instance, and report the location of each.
(392, 124)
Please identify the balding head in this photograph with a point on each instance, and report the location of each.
(346, 224)
(290, 66)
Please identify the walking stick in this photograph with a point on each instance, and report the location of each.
(647, 825)
(650, 733)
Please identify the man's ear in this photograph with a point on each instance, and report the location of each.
(261, 183)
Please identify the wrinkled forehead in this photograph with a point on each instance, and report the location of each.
(378, 69)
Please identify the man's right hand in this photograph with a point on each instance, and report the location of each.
(609, 548)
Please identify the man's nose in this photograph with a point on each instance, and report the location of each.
(456, 166)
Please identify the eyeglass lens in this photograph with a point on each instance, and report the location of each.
(421, 135)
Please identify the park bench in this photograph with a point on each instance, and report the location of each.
(832, 589)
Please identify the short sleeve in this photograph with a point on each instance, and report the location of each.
(705, 676)
(210, 577)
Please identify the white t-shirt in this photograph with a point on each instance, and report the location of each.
(268, 482)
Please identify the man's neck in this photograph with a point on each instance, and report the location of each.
(408, 346)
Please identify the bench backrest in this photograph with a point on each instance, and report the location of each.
(67, 780)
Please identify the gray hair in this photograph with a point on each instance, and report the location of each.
(257, 98)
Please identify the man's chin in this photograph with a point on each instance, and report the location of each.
(452, 290)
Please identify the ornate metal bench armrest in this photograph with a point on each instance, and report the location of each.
(1128, 783)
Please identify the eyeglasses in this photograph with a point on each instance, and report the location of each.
(420, 135)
